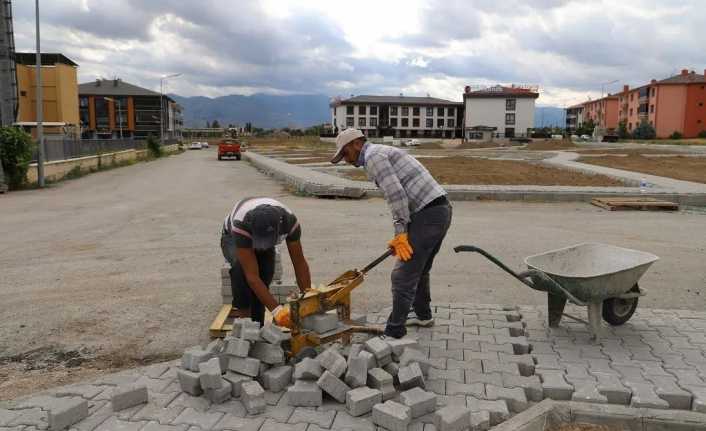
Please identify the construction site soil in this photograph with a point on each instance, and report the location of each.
(477, 171)
(677, 167)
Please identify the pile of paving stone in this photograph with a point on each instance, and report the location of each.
(385, 376)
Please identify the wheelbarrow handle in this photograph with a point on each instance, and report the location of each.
(377, 261)
(490, 257)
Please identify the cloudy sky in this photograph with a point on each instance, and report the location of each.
(415, 47)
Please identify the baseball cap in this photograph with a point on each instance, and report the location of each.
(265, 221)
(343, 139)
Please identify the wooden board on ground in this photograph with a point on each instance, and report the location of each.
(223, 323)
(637, 203)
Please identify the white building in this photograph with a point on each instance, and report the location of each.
(398, 116)
(510, 110)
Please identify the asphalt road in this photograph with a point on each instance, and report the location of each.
(127, 261)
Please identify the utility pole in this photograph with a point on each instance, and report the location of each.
(40, 106)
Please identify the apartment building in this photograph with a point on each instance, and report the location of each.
(507, 110)
(574, 118)
(113, 108)
(398, 116)
(674, 104)
(602, 112)
(59, 92)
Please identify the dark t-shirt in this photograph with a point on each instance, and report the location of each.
(235, 224)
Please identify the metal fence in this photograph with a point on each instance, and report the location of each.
(62, 148)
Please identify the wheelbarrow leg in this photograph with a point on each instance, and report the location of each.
(555, 309)
(595, 314)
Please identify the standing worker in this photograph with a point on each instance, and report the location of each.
(421, 215)
(248, 239)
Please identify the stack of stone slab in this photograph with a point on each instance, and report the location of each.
(243, 365)
(278, 289)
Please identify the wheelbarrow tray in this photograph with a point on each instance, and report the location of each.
(593, 271)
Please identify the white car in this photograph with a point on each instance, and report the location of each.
(413, 143)
(204, 144)
(195, 146)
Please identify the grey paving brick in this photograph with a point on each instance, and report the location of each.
(190, 382)
(644, 396)
(477, 377)
(115, 424)
(210, 374)
(236, 380)
(456, 375)
(203, 420)
(530, 384)
(333, 386)
(129, 396)
(251, 333)
(305, 394)
(267, 353)
(344, 421)
(514, 397)
(497, 409)
(436, 386)
(353, 351)
(667, 389)
(153, 413)
(470, 355)
(357, 373)
(192, 357)
(449, 354)
(320, 323)
(155, 426)
(419, 401)
(413, 355)
(247, 366)
(393, 368)
(554, 384)
(452, 418)
(333, 361)
(493, 347)
(277, 378)
(472, 365)
(398, 345)
(380, 348)
(308, 369)
(273, 334)
(490, 366)
(66, 411)
(698, 393)
(587, 391)
(392, 416)
(234, 422)
(238, 347)
(253, 397)
(474, 389)
(410, 376)
(220, 395)
(307, 415)
(361, 400)
(370, 359)
(547, 361)
(525, 363)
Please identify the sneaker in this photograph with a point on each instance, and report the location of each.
(413, 320)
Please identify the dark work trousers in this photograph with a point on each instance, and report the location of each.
(243, 296)
(410, 280)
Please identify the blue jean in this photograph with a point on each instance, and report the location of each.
(410, 280)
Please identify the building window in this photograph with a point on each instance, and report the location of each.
(629, 126)
(373, 122)
(102, 119)
(349, 122)
(430, 123)
(439, 112)
(509, 119)
(415, 112)
(373, 111)
(415, 122)
(653, 92)
(349, 110)
(405, 111)
(361, 122)
(362, 110)
(631, 94)
(510, 104)
(82, 102)
(430, 112)
(451, 112)
(450, 122)
(440, 122)
(652, 109)
(393, 110)
(630, 111)
(405, 122)
(393, 122)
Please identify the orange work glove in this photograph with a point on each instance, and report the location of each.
(282, 316)
(400, 247)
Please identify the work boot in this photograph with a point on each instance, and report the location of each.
(414, 320)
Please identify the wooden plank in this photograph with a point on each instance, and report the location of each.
(216, 328)
(626, 203)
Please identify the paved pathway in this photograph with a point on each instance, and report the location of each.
(496, 359)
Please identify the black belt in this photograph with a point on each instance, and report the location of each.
(441, 200)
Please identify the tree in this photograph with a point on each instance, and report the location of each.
(16, 149)
(623, 130)
(644, 131)
(153, 146)
(208, 125)
(215, 125)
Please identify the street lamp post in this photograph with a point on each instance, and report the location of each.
(120, 115)
(603, 85)
(161, 103)
(40, 106)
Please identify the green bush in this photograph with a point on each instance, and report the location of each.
(16, 148)
(644, 131)
(153, 146)
(623, 130)
(702, 134)
(676, 135)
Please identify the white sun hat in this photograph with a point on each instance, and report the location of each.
(344, 138)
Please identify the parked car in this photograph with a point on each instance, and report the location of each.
(585, 137)
(204, 144)
(195, 146)
(229, 148)
(412, 143)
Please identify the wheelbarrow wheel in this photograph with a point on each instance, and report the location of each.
(617, 311)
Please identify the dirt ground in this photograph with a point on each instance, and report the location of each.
(677, 167)
(584, 427)
(470, 170)
(626, 151)
(550, 145)
(122, 267)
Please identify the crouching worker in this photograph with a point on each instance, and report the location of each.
(250, 233)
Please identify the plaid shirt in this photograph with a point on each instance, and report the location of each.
(406, 184)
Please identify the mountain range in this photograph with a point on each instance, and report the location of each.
(267, 111)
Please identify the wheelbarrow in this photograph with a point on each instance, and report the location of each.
(601, 277)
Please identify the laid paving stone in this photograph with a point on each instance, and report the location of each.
(456, 375)
(587, 391)
(554, 385)
(472, 365)
(253, 397)
(611, 387)
(410, 376)
(308, 369)
(185, 400)
(497, 409)
(667, 389)
(115, 424)
(333, 386)
(698, 393)
(524, 362)
(477, 377)
(155, 426)
(475, 389)
(419, 401)
(233, 422)
(360, 401)
(204, 420)
(531, 385)
(644, 396)
(452, 418)
(344, 421)
(514, 397)
(392, 416)
(153, 413)
(491, 366)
